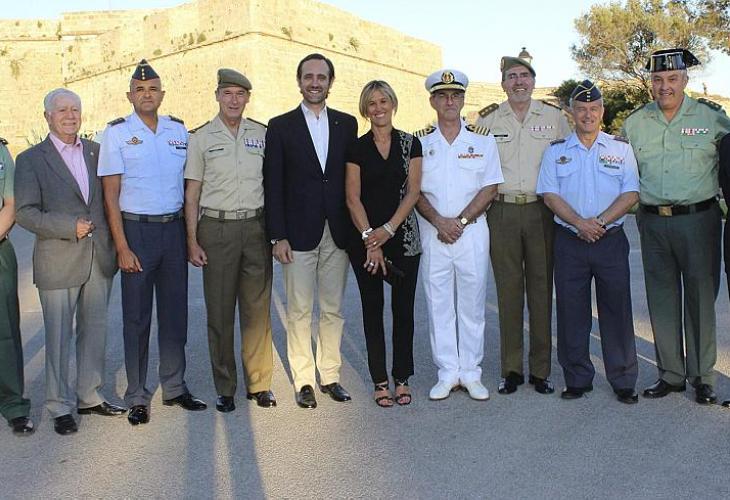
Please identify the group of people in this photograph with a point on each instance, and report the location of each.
(396, 207)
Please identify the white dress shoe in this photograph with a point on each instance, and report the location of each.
(441, 390)
(476, 390)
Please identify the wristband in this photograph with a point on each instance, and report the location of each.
(389, 229)
(366, 233)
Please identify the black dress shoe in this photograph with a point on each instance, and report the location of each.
(138, 415)
(22, 426)
(542, 385)
(509, 384)
(186, 401)
(265, 399)
(305, 397)
(224, 404)
(104, 409)
(628, 396)
(65, 424)
(336, 392)
(660, 389)
(704, 394)
(575, 392)
(726, 403)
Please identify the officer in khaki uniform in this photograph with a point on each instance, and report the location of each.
(521, 225)
(13, 406)
(675, 140)
(225, 188)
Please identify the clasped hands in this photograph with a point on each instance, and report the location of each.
(449, 229)
(590, 230)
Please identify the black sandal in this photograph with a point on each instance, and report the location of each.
(383, 401)
(403, 398)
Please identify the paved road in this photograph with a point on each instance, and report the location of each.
(521, 446)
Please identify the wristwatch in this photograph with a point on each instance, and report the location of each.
(274, 240)
(464, 221)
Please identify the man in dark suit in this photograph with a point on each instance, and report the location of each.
(59, 198)
(725, 186)
(307, 221)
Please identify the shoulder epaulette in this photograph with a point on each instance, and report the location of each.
(117, 121)
(557, 141)
(620, 138)
(489, 109)
(552, 104)
(256, 122)
(478, 130)
(635, 110)
(424, 131)
(192, 131)
(176, 119)
(710, 103)
(3, 141)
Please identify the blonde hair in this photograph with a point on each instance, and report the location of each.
(367, 93)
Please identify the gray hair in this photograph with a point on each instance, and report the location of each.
(49, 100)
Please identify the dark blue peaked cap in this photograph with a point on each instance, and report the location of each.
(144, 71)
(586, 91)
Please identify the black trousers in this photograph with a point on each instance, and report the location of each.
(403, 294)
(577, 264)
(162, 253)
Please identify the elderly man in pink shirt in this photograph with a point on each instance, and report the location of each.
(59, 198)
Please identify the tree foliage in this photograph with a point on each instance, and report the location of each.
(616, 39)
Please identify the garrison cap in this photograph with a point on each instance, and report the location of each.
(509, 62)
(232, 78)
(144, 71)
(445, 79)
(671, 59)
(585, 91)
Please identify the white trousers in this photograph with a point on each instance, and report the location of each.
(324, 268)
(454, 278)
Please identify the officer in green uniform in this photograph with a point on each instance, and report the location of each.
(224, 186)
(13, 406)
(675, 140)
(521, 226)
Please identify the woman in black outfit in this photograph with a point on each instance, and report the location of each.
(383, 182)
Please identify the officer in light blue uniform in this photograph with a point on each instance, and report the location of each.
(141, 164)
(590, 180)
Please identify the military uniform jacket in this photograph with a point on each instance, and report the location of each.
(521, 145)
(454, 173)
(230, 168)
(678, 159)
(7, 174)
(150, 163)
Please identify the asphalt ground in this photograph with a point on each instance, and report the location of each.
(524, 445)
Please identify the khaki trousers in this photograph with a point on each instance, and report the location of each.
(326, 268)
(522, 259)
(239, 270)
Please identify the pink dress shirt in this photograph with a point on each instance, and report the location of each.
(73, 157)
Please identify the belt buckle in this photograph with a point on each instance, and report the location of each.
(665, 210)
(521, 199)
(240, 213)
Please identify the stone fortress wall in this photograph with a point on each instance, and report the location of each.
(94, 54)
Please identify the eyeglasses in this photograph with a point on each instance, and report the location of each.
(443, 96)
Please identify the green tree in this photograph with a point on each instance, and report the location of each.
(616, 39)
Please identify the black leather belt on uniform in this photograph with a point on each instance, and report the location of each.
(671, 210)
(153, 218)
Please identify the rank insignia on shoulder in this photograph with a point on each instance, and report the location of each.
(198, 127)
(3, 141)
(478, 130)
(117, 121)
(256, 122)
(424, 131)
(563, 160)
(176, 119)
(489, 109)
(551, 104)
(557, 141)
(134, 141)
(620, 138)
(710, 103)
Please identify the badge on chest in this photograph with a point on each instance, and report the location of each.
(178, 144)
(470, 154)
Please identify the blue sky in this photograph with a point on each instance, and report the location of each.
(473, 34)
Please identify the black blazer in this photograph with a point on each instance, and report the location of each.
(725, 167)
(299, 197)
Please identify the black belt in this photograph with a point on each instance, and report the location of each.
(609, 231)
(153, 218)
(671, 210)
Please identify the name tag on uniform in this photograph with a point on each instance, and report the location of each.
(254, 143)
(178, 144)
(610, 161)
(694, 131)
(541, 128)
